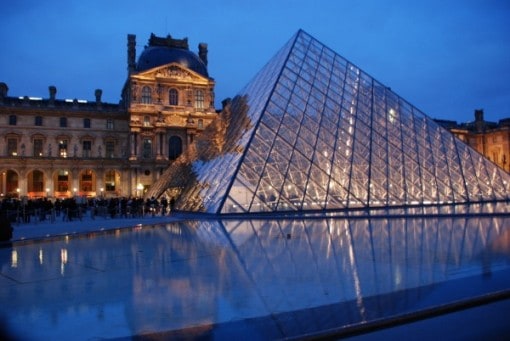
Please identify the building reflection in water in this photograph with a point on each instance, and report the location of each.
(265, 278)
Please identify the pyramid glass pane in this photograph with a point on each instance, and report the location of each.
(313, 132)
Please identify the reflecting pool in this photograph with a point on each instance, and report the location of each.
(260, 279)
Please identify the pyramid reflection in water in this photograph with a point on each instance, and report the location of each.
(313, 132)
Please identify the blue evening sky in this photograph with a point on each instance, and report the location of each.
(447, 58)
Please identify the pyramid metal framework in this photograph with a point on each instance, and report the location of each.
(313, 132)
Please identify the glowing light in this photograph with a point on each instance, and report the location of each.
(14, 259)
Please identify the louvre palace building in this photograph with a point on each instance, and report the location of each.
(64, 148)
(310, 132)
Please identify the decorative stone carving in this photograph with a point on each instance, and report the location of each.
(176, 72)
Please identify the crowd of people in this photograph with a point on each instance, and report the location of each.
(27, 210)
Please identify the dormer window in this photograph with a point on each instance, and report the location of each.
(146, 95)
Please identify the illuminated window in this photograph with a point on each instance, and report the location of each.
(62, 181)
(62, 148)
(86, 123)
(147, 148)
(38, 147)
(173, 97)
(86, 181)
(38, 121)
(199, 99)
(146, 95)
(63, 122)
(13, 120)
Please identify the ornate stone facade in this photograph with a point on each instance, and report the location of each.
(63, 148)
(491, 139)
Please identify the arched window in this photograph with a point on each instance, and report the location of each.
(146, 95)
(110, 180)
(199, 99)
(62, 183)
(11, 183)
(173, 97)
(174, 147)
(87, 181)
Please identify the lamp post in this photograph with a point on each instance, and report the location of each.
(47, 192)
(101, 189)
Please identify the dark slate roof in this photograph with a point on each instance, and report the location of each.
(154, 56)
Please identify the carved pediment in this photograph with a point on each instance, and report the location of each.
(176, 72)
(172, 71)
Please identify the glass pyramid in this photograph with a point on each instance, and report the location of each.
(313, 132)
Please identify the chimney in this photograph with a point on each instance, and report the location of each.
(478, 115)
(202, 52)
(53, 92)
(479, 122)
(3, 91)
(98, 94)
(131, 53)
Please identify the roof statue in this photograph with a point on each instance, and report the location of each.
(312, 132)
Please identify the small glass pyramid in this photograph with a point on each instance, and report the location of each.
(313, 132)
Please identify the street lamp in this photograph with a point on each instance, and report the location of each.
(47, 192)
(101, 189)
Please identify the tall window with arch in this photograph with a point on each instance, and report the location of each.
(147, 149)
(146, 95)
(38, 147)
(199, 99)
(11, 182)
(174, 147)
(35, 181)
(173, 97)
(12, 146)
(110, 180)
(110, 149)
(87, 181)
(62, 148)
(62, 181)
